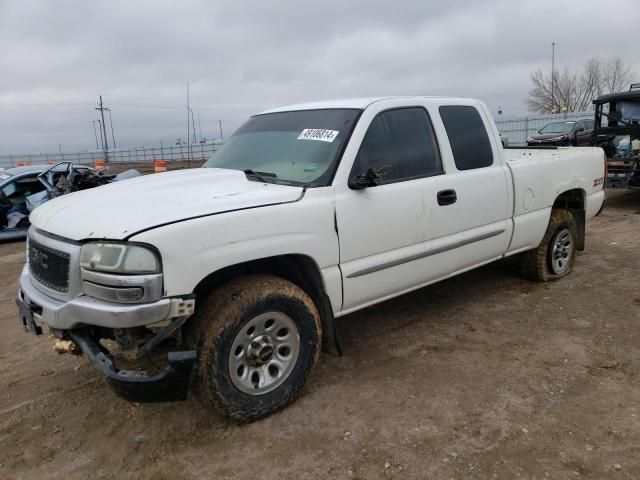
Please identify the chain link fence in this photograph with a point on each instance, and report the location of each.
(198, 153)
(517, 129)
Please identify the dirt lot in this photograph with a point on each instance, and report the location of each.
(483, 376)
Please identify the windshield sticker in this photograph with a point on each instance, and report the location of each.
(318, 134)
(310, 167)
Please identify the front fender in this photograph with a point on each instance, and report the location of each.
(193, 249)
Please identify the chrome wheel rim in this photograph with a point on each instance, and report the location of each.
(561, 251)
(264, 353)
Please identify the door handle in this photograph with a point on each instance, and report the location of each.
(447, 197)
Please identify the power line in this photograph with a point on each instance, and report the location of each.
(135, 105)
(113, 137)
(95, 133)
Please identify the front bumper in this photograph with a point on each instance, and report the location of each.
(170, 385)
(83, 310)
(135, 386)
(548, 143)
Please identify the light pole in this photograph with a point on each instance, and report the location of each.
(553, 69)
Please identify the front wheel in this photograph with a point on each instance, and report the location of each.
(556, 254)
(258, 339)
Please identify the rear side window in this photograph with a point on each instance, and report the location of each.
(467, 136)
(399, 145)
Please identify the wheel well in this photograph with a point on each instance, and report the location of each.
(300, 270)
(574, 201)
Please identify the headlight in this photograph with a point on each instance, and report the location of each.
(557, 139)
(111, 257)
(529, 139)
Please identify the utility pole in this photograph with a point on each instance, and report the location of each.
(113, 137)
(188, 129)
(104, 131)
(220, 123)
(193, 125)
(101, 138)
(95, 133)
(199, 127)
(553, 70)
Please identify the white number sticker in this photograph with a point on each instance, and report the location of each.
(318, 134)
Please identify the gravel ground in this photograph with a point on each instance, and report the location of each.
(482, 376)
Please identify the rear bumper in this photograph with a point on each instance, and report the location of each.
(168, 386)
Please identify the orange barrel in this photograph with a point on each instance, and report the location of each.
(99, 164)
(160, 166)
(49, 162)
(23, 164)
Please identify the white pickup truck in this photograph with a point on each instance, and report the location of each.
(309, 212)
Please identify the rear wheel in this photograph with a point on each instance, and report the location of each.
(555, 256)
(258, 338)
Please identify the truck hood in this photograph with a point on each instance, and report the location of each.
(119, 210)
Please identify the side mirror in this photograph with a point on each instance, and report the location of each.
(369, 179)
(580, 129)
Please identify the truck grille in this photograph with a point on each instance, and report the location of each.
(50, 267)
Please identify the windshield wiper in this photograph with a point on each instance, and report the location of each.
(259, 175)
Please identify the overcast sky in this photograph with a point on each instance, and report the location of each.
(240, 57)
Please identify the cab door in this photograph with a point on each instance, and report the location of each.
(383, 225)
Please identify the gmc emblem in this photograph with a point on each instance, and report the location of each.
(40, 259)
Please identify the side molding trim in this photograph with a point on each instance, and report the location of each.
(427, 253)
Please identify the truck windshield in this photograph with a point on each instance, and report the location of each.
(560, 127)
(291, 148)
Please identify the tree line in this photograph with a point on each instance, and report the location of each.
(574, 90)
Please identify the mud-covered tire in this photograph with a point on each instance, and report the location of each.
(537, 264)
(218, 323)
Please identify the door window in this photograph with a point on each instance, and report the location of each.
(468, 136)
(399, 145)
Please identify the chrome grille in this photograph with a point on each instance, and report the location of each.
(49, 266)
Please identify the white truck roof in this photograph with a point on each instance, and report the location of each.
(360, 103)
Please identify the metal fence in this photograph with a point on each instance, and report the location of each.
(197, 152)
(517, 129)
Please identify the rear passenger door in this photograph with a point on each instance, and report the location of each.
(479, 224)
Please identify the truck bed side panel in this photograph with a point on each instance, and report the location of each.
(539, 177)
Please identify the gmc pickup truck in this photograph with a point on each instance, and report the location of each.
(238, 270)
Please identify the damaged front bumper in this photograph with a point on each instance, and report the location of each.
(69, 320)
(170, 385)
